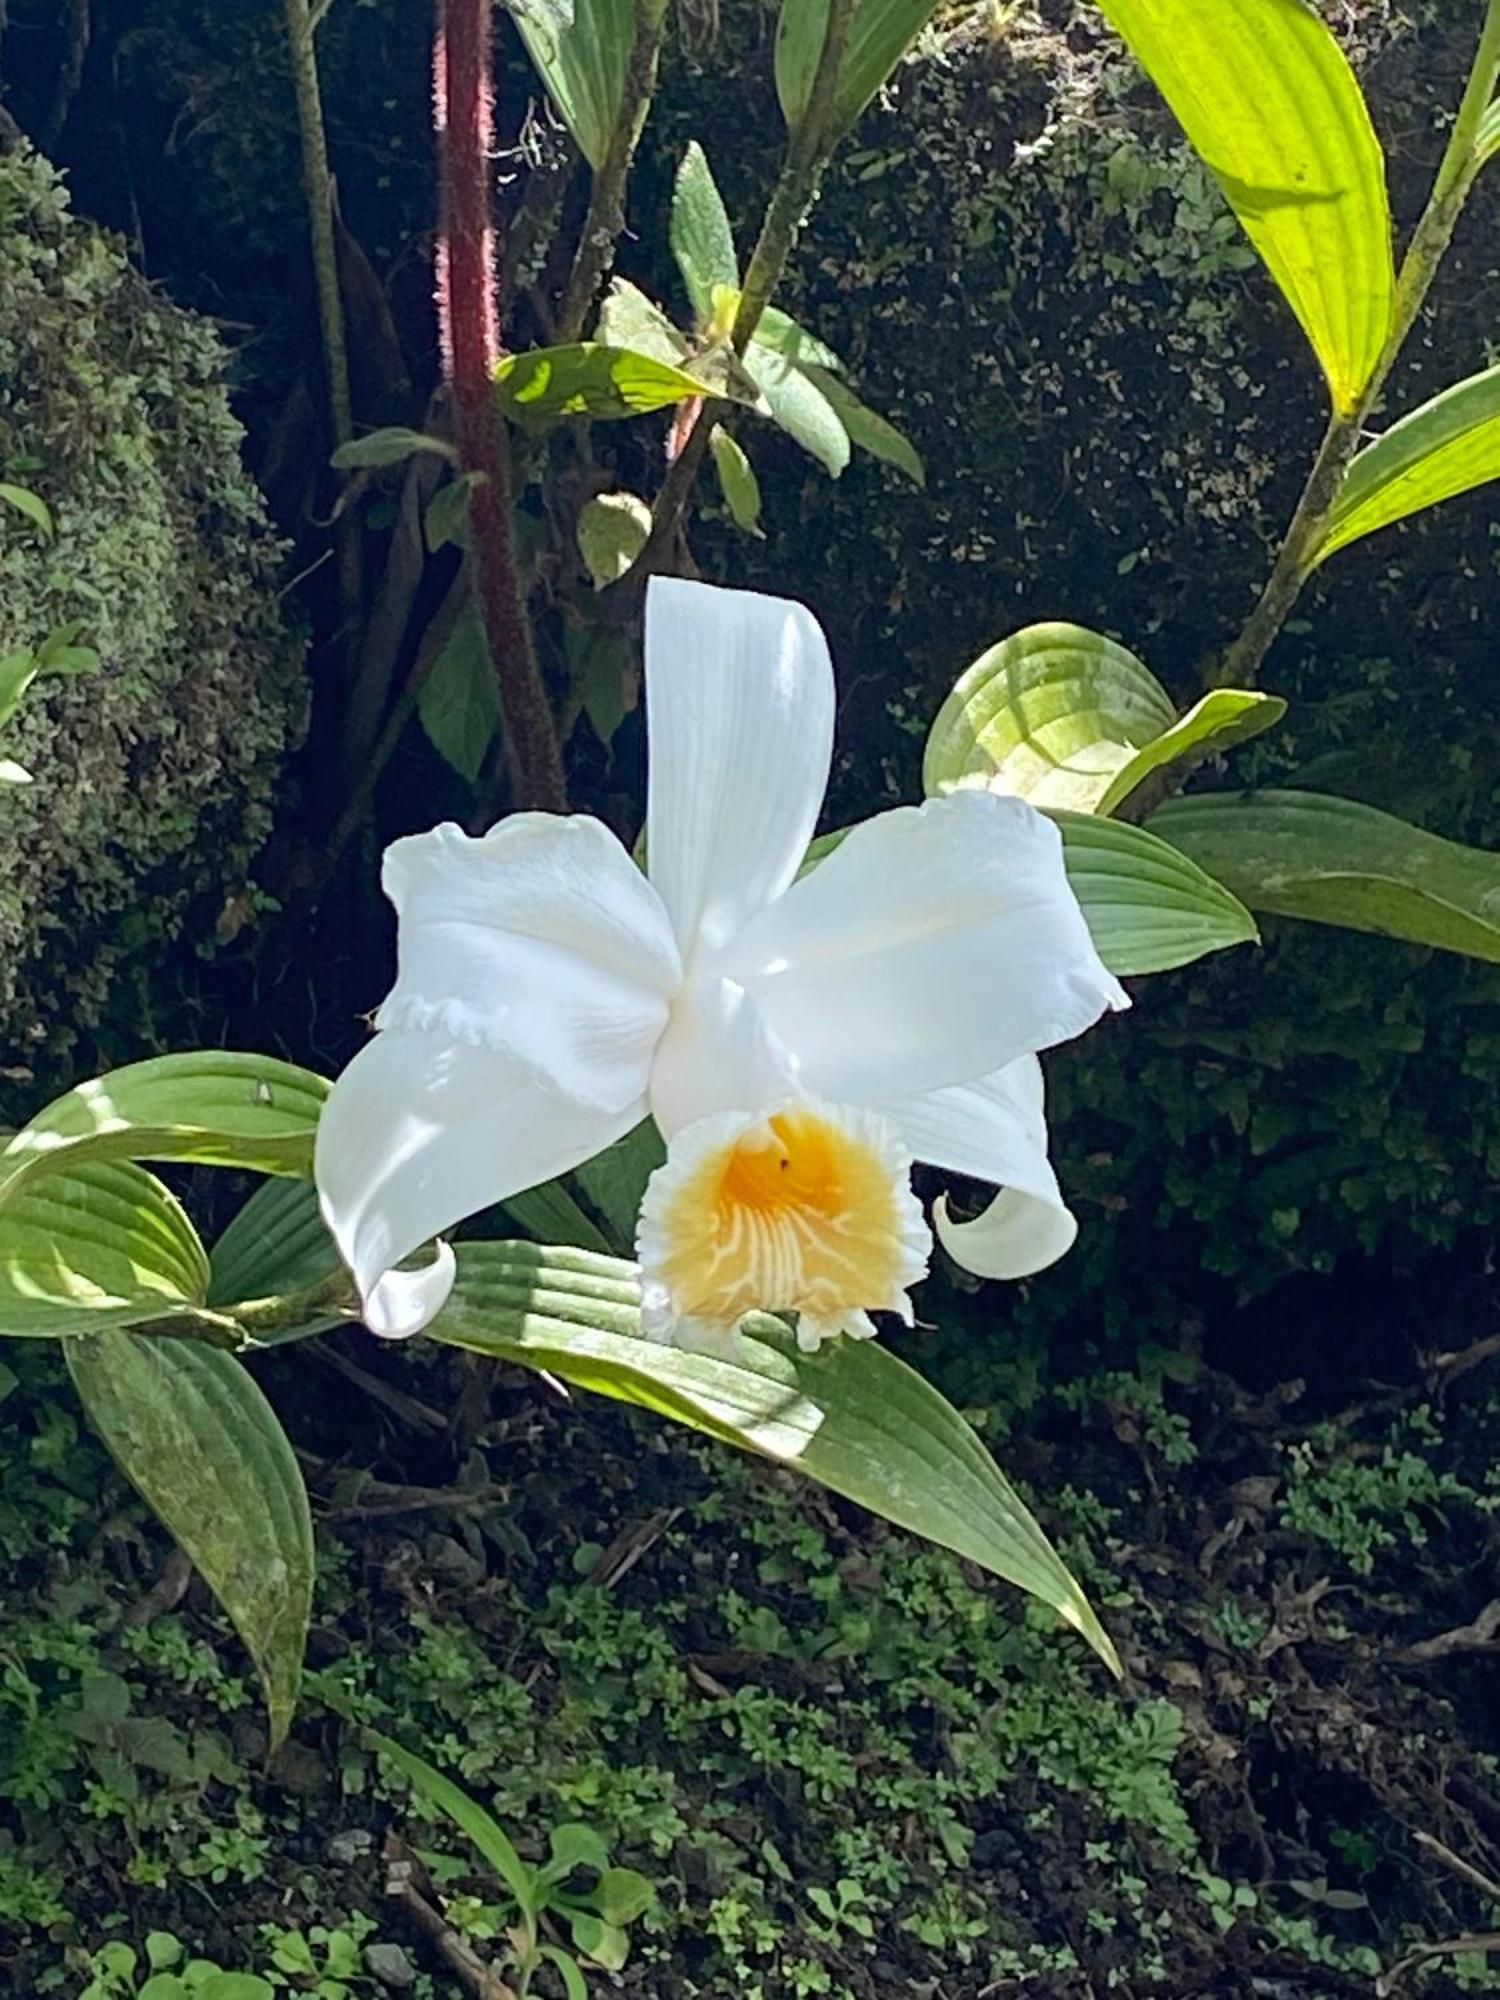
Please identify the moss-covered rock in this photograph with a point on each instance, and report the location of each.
(155, 774)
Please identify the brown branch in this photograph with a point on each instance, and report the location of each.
(464, 105)
(469, 1968)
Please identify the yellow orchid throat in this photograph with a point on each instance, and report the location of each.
(805, 1209)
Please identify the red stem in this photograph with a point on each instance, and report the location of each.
(464, 105)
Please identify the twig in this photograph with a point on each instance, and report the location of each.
(1478, 1636)
(317, 184)
(75, 50)
(464, 102)
(796, 190)
(475, 1976)
(1441, 1369)
(1458, 1865)
(421, 1416)
(605, 221)
(1387, 1983)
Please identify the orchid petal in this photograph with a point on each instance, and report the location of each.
(421, 1131)
(542, 941)
(994, 1130)
(936, 944)
(740, 701)
(716, 1056)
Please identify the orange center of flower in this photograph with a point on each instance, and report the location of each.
(808, 1210)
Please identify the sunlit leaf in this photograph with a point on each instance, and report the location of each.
(212, 1105)
(1149, 908)
(879, 35)
(737, 480)
(1447, 447)
(1065, 717)
(276, 1243)
(853, 1417)
(1306, 854)
(583, 63)
(591, 380)
(866, 427)
(1268, 99)
(799, 406)
(190, 1429)
(612, 531)
(702, 239)
(103, 1244)
(1487, 140)
(628, 319)
(30, 506)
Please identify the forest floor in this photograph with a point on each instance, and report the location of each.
(851, 1766)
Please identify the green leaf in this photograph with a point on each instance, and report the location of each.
(591, 380)
(552, 1215)
(737, 480)
(277, 1243)
(604, 1944)
(389, 447)
(471, 1818)
(879, 35)
(1066, 718)
(575, 1987)
(870, 431)
(459, 701)
(612, 531)
(605, 675)
(622, 1895)
(215, 1106)
(30, 506)
(615, 1180)
(799, 406)
(628, 319)
(853, 1417)
(701, 236)
(1448, 446)
(779, 331)
(1487, 139)
(235, 1986)
(191, 1431)
(103, 1244)
(583, 65)
(17, 672)
(1305, 854)
(1268, 99)
(1148, 907)
(574, 1845)
(447, 517)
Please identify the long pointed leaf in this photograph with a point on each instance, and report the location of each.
(702, 240)
(1268, 99)
(583, 64)
(854, 1417)
(1333, 861)
(1447, 447)
(1148, 907)
(879, 35)
(190, 1429)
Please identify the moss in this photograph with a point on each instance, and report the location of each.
(154, 775)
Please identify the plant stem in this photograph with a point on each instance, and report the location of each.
(317, 184)
(1429, 245)
(605, 221)
(808, 149)
(464, 101)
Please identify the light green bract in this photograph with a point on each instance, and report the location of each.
(1304, 854)
(1069, 719)
(1447, 447)
(1267, 97)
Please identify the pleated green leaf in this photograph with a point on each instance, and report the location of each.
(879, 35)
(853, 1417)
(190, 1429)
(1487, 140)
(211, 1105)
(1306, 854)
(1447, 447)
(1148, 907)
(1067, 718)
(583, 64)
(102, 1244)
(276, 1243)
(1267, 97)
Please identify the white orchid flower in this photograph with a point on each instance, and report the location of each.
(800, 1043)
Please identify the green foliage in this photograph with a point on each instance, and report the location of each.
(1148, 906)
(1068, 718)
(1267, 97)
(880, 32)
(1447, 447)
(594, 380)
(582, 49)
(1304, 854)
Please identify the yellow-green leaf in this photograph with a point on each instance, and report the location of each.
(212, 1105)
(1148, 907)
(191, 1431)
(1267, 97)
(612, 531)
(879, 35)
(1067, 718)
(583, 53)
(1335, 861)
(1447, 447)
(853, 1417)
(591, 380)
